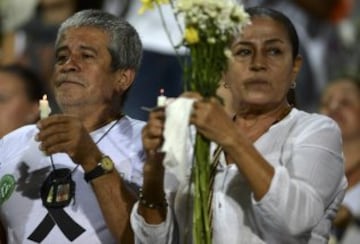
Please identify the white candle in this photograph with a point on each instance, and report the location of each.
(161, 100)
(44, 107)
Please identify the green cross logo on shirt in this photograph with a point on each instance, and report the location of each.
(7, 186)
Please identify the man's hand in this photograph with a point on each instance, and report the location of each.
(66, 134)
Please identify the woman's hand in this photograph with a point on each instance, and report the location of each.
(153, 184)
(211, 120)
(152, 136)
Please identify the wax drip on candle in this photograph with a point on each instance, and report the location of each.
(44, 107)
(161, 100)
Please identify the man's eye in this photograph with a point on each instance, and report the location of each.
(87, 55)
(61, 58)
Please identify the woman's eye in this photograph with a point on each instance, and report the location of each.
(274, 51)
(243, 52)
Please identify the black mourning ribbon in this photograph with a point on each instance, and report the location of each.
(57, 192)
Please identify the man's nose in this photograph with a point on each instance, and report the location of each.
(71, 64)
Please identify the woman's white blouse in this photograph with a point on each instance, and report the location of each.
(306, 190)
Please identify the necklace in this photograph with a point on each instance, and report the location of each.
(254, 131)
(285, 112)
(282, 115)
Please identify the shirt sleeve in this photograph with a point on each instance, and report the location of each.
(307, 183)
(145, 233)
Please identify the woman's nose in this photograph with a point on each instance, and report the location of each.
(258, 62)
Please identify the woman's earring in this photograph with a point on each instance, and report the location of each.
(293, 85)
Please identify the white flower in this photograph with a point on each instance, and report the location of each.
(228, 54)
(211, 40)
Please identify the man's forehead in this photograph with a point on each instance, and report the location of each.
(83, 37)
(86, 33)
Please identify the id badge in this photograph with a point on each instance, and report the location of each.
(58, 189)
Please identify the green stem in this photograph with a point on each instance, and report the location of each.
(167, 32)
(202, 231)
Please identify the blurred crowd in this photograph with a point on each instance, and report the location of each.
(329, 31)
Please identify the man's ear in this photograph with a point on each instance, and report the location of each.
(124, 79)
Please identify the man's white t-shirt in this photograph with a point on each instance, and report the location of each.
(23, 169)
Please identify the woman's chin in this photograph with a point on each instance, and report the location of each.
(257, 100)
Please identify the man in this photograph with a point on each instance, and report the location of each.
(67, 179)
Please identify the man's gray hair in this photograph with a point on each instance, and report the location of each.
(125, 46)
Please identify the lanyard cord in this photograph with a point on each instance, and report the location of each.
(102, 137)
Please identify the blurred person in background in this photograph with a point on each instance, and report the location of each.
(32, 43)
(349, 34)
(20, 92)
(341, 101)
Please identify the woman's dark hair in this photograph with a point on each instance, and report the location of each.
(281, 18)
(34, 86)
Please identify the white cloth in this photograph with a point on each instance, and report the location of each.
(176, 136)
(306, 190)
(21, 159)
(352, 200)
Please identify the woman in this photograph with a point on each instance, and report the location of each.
(341, 101)
(20, 92)
(280, 178)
